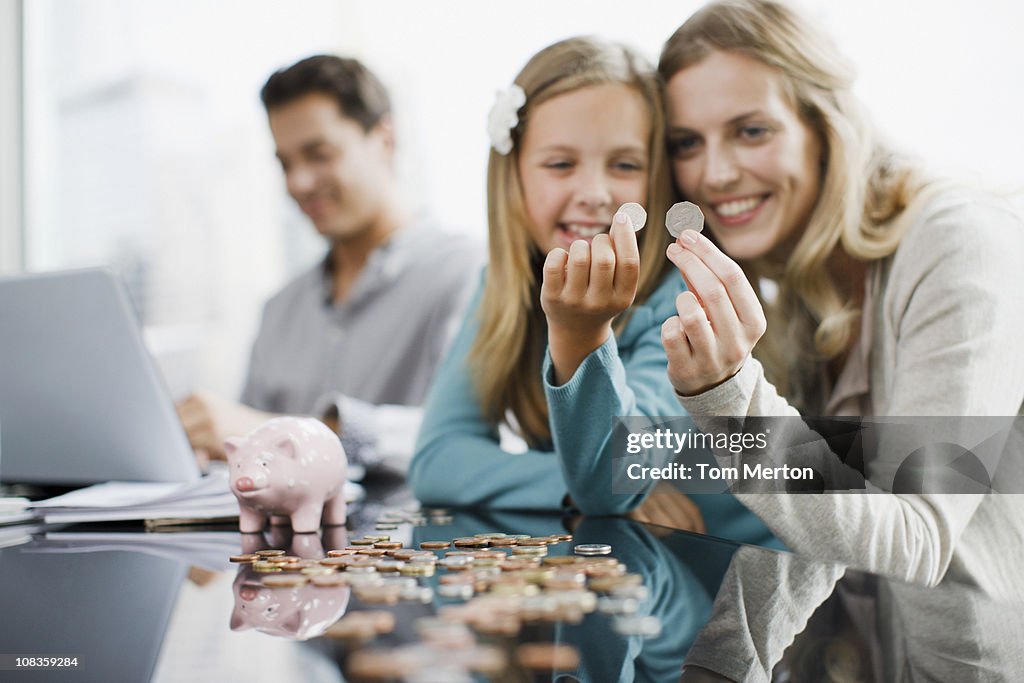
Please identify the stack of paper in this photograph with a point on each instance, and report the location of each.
(208, 498)
(14, 510)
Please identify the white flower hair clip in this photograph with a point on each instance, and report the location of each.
(504, 117)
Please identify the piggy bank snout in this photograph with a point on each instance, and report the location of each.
(245, 484)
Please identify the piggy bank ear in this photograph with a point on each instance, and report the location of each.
(287, 445)
(231, 445)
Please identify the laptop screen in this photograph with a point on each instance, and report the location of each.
(81, 400)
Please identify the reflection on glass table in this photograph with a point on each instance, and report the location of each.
(137, 606)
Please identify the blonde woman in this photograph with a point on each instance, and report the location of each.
(565, 332)
(895, 296)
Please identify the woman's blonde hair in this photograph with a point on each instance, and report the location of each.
(864, 192)
(509, 347)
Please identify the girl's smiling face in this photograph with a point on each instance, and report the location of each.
(584, 153)
(741, 153)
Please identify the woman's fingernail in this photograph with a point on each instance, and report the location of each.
(674, 249)
(688, 236)
(619, 218)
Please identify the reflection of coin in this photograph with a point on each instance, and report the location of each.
(318, 571)
(638, 626)
(617, 605)
(462, 591)
(328, 580)
(547, 656)
(684, 216)
(378, 595)
(606, 584)
(593, 549)
(638, 593)
(485, 659)
(636, 214)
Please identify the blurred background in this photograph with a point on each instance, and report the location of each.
(132, 135)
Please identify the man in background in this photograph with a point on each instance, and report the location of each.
(356, 339)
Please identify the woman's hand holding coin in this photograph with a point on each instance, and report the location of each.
(719, 319)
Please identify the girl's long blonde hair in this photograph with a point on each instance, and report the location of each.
(509, 347)
(865, 191)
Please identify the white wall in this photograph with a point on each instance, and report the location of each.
(10, 136)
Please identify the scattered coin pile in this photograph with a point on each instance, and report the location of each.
(489, 584)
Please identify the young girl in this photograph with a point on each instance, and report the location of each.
(564, 334)
(896, 296)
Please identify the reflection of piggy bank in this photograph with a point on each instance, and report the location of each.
(298, 612)
(288, 467)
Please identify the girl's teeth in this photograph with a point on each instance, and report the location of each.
(735, 208)
(585, 231)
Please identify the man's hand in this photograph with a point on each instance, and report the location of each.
(209, 420)
(667, 506)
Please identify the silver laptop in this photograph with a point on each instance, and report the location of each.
(81, 400)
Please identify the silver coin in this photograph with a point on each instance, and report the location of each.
(684, 216)
(637, 215)
(593, 549)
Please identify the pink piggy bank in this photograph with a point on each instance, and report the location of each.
(288, 467)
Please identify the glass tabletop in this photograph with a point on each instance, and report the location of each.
(172, 606)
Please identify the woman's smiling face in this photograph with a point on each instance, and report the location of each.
(740, 151)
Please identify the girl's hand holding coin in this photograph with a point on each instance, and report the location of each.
(584, 289)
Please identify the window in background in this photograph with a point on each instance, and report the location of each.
(147, 148)
(11, 186)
